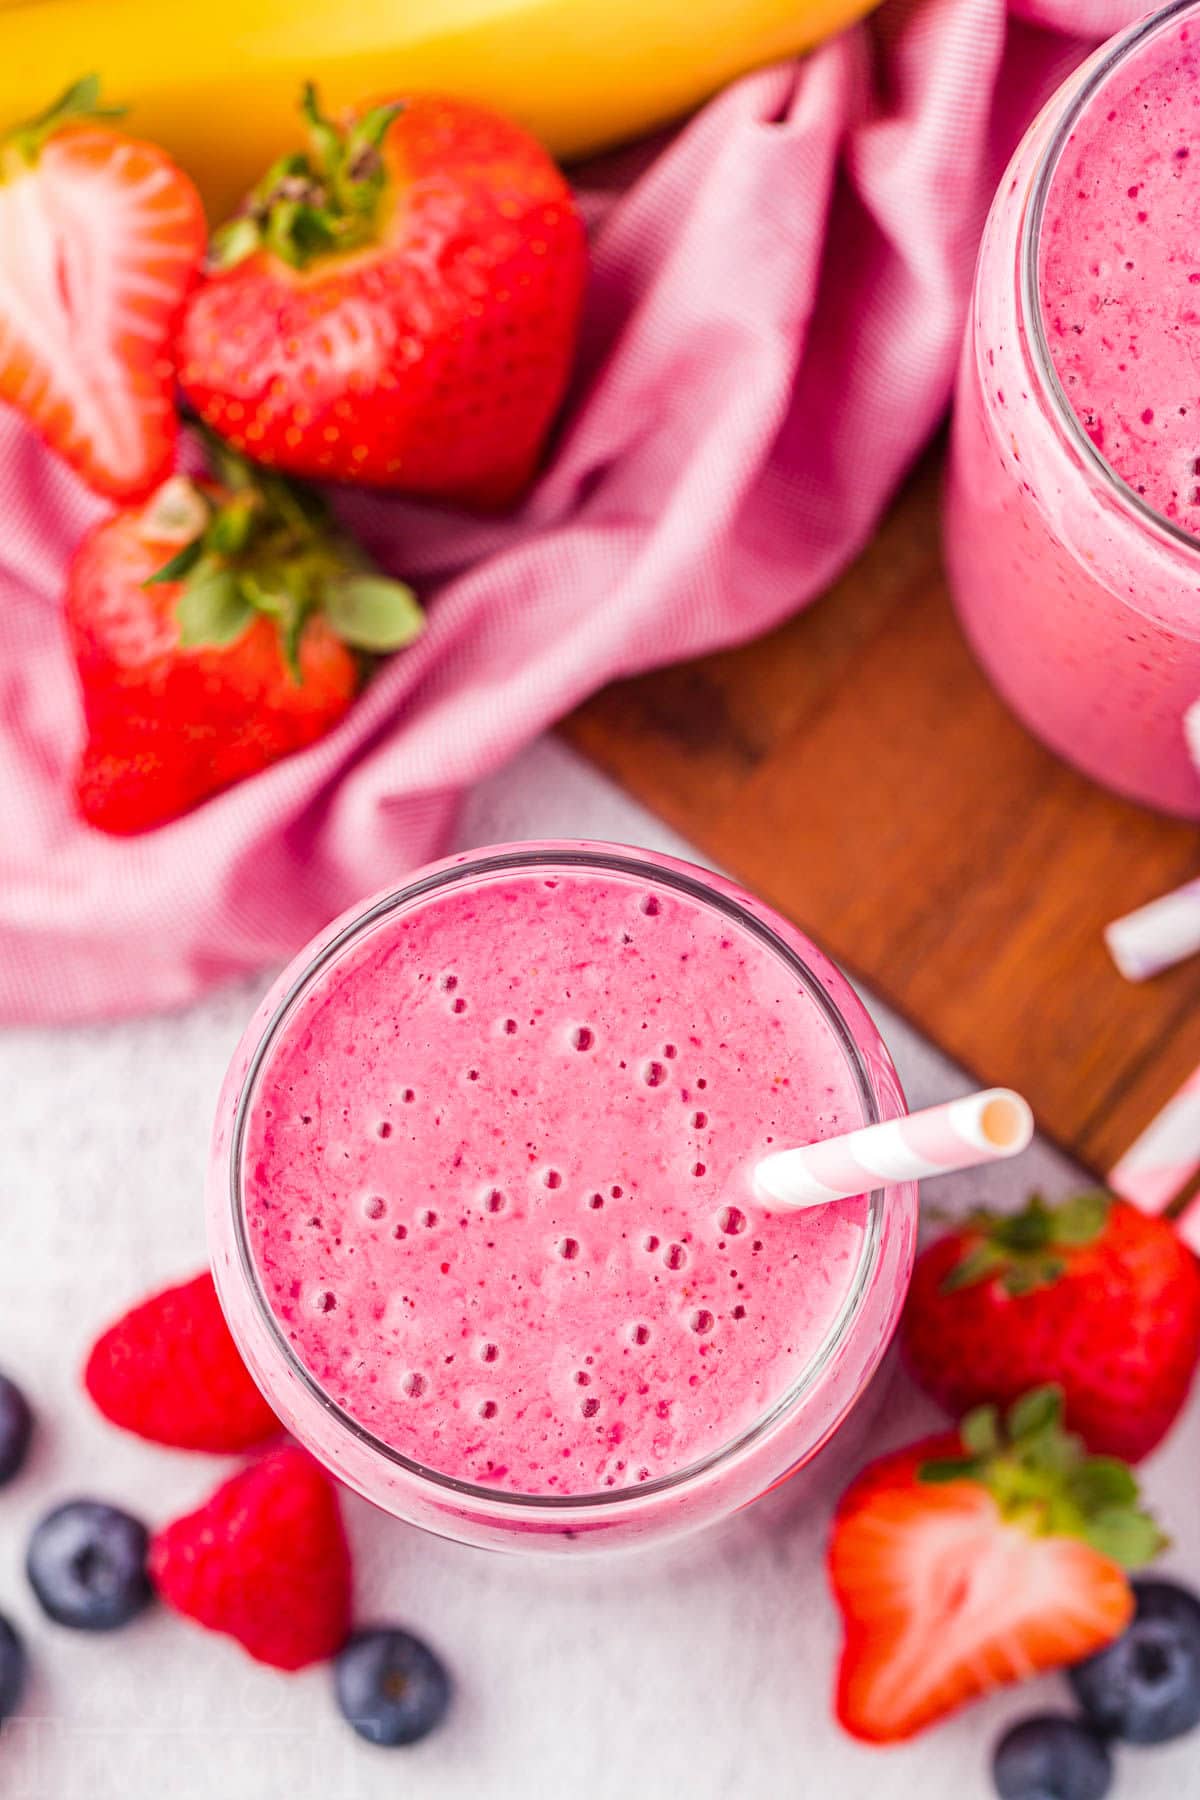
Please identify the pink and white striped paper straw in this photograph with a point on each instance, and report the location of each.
(1188, 1226)
(959, 1135)
(1157, 935)
(1166, 1156)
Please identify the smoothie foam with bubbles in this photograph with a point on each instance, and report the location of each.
(1119, 274)
(1073, 500)
(498, 1182)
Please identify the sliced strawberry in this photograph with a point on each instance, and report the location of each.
(100, 239)
(967, 1562)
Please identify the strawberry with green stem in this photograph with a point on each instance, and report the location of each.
(395, 304)
(225, 623)
(977, 1559)
(1092, 1294)
(101, 236)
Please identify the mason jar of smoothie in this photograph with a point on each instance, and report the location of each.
(1073, 500)
(482, 1203)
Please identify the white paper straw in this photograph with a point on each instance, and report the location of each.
(1157, 935)
(958, 1135)
(1166, 1156)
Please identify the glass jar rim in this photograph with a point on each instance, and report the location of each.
(696, 884)
(1104, 63)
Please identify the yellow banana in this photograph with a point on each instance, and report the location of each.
(216, 81)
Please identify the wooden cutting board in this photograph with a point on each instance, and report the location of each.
(856, 770)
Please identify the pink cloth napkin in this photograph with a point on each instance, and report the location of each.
(777, 298)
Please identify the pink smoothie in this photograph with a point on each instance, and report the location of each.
(1080, 596)
(497, 1184)
(1119, 274)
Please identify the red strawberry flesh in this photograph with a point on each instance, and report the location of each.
(101, 237)
(958, 1572)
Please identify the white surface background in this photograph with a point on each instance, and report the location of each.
(706, 1677)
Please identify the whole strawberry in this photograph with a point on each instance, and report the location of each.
(100, 238)
(976, 1559)
(264, 1560)
(216, 629)
(397, 305)
(170, 1370)
(1091, 1294)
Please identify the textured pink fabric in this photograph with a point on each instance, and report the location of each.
(777, 297)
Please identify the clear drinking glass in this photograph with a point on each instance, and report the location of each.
(790, 1430)
(1081, 602)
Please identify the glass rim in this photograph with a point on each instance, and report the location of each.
(1103, 64)
(697, 884)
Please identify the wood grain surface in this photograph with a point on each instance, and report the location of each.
(856, 770)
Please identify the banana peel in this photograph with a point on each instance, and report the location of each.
(216, 81)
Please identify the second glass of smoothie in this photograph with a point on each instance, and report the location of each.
(1073, 500)
(482, 1203)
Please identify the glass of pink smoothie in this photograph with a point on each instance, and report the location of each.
(481, 1202)
(1073, 497)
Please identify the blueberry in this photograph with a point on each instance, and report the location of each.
(16, 1428)
(1050, 1757)
(86, 1563)
(1145, 1687)
(12, 1669)
(390, 1686)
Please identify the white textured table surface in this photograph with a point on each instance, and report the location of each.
(706, 1677)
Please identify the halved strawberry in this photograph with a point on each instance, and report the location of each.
(969, 1561)
(100, 238)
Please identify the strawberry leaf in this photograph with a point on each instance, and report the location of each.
(177, 566)
(1103, 1481)
(1127, 1537)
(1041, 1408)
(80, 103)
(314, 202)
(1043, 1480)
(1081, 1219)
(234, 242)
(943, 1469)
(232, 525)
(981, 1261)
(980, 1431)
(323, 134)
(373, 127)
(372, 613)
(1026, 1278)
(1026, 1231)
(212, 610)
(1029, 1249)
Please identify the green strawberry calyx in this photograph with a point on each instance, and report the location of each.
(316, 202)
(251, 544)
(1027, 1250)
(79, 105)
(1043, 1480)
